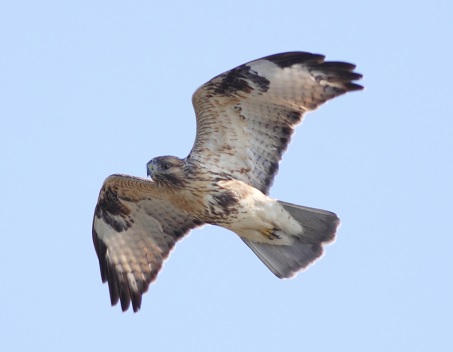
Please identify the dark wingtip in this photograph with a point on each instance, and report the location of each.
(353, 86)
(291, 58)
(112, 282)
(340, 71)
(136, 301)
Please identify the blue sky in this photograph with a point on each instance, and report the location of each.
(88, 89)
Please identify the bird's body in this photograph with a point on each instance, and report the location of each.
(245, 119)
(234, 205)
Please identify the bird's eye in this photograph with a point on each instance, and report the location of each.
(165, 166)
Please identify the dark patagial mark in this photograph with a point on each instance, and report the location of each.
(110, 203)
(239, 79)
(111, 210)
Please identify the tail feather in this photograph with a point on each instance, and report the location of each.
(286, 260)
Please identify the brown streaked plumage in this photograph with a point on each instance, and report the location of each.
(245, 120)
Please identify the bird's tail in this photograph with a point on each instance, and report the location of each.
(319, 227)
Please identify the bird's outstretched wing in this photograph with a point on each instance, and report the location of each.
(246, 116)
(134, 229)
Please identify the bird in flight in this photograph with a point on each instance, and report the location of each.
(245, 119)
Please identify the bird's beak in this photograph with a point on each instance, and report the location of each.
(150, 169)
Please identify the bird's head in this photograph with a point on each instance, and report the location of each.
(167, 170)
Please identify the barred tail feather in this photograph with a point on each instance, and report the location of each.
(285, 261)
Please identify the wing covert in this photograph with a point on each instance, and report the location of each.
(134, 230)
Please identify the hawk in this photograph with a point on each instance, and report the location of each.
(245, 119)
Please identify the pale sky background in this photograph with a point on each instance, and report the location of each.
(91, 88)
